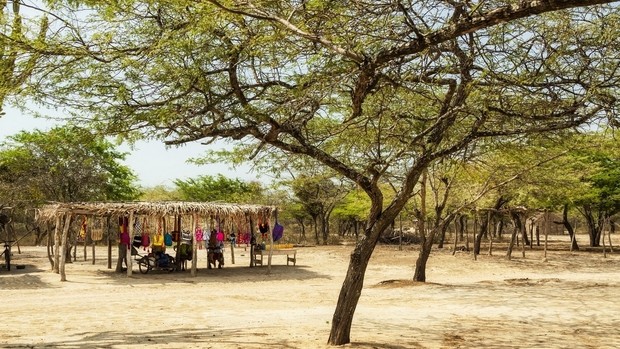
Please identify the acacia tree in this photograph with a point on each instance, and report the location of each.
(63, 164)
(219, 188)
(602, 200)
(319, 197)
(16, 62)
(363, 88)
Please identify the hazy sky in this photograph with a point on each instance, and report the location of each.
(150, 161)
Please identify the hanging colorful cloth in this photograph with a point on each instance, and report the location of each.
(82, 234)
(263, 228)
(168, 239)
(278, 232)
(199, 236)
(145, 237)
(96, 232)
(123, 223)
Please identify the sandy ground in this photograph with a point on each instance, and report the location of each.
(570, 301)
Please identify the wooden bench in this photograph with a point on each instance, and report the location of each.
(291, 255)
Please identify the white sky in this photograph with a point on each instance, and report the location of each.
(150, 161)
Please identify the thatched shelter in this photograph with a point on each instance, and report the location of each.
(63, 213)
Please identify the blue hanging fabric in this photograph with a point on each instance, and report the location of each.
(278, 232)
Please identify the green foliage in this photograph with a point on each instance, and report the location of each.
(159, 193)
(374, 91)
(16, 62)
(354, 206)
(604, 181)
(317, 194)
(64, 164)
(220, 188)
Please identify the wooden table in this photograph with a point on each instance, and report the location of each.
(291, 255)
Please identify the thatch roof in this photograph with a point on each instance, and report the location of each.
(49, 212)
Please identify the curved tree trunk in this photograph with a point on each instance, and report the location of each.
(442, 237)
(462, 227)
(569, 228)
(595, 225)
(480, 233)
(425, 249)
(316, 230)
(350, 292)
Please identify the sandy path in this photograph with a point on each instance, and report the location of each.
(571, 301)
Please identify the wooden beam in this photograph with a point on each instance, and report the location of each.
(56, 267)
(129, 256)
(63, 256)
(194, 244)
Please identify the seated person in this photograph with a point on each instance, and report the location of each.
(215, 252)
(158, 243)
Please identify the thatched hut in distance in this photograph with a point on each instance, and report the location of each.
(62, 213)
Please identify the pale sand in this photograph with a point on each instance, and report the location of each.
(571, 301)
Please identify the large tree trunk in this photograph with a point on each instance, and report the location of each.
(350, 292)
(569, 228)
(316, 230)
(425, 249)
(595, 225)
(442, 239)
(426, 246)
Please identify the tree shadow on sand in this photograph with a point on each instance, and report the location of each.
(27, 278)
(178, 338)
(204, 275)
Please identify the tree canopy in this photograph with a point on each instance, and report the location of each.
(220, 188)
(63, 164)
(371, 90)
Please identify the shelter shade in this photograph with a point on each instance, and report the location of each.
(229, 211)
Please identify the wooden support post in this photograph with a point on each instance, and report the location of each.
(194, 244)
(610, 225)
(63, 252)
(129, 256)
(232, 247)
(523, 240)
(467, 238)
(85, 240)
(457, 224)
(476, 234)
(400, 233)
(109, 236)
(251, 242)
(546, 228)
(603, 238)
(271, 244)
(177, 228)
(490, 242)
(93, 243)
(531, 227)
(56, 267)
